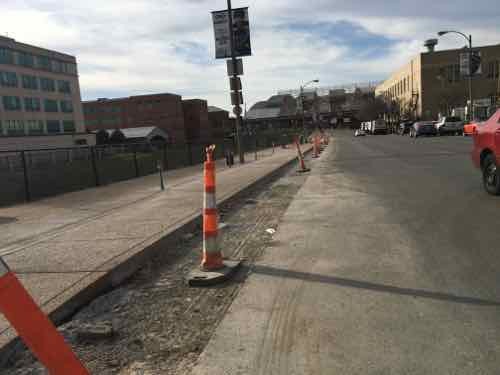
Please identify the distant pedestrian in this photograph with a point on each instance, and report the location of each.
(229, 158)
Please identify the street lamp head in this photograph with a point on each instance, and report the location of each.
(441, 33)
(316, 80)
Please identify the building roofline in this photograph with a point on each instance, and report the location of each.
(124, 98)
(46, 50)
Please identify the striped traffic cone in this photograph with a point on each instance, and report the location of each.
(315, 148)
(35, 328)
(212, 257)
(214, 269)
(303, 167)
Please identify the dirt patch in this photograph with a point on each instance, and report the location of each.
(155, 323)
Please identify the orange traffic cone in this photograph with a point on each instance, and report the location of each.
(315, 147)
(212, 257)
(303, 167)
(35, 328)
(213, 269)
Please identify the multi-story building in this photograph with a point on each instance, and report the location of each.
(40, 102)
(278, 112)
(431, 84)
(220, 122)
(198, 126)
(164, 111)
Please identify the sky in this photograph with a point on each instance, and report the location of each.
(133, 47)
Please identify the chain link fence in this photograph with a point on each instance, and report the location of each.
(27, 175)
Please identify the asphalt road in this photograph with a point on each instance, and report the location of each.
(386, 262)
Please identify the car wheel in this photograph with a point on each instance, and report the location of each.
(491, 175)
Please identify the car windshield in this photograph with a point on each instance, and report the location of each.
(182, 191)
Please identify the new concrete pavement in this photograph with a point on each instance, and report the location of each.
(67, 249)
(387, 262)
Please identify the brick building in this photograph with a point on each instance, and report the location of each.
(198, 126)
(40, 104)
(431, 84)
(220, 122)
(164, 111)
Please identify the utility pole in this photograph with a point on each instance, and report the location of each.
(237, 108)
(471, 111)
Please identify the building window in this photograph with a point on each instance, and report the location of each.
(48, 84)
(30, 82)
(69, 68)
(66, 106)
(11, 103)
(1, 128)
(35, 127)
(57, 66)
(6, 56)
(53, 126)
(8, 79)
(32, 104)
(14, 127)
(69, 126)
(43, 62)
(64, 87)
(493, 69)
(26, 59)
(50, 105)
(456, 70)
(87, 109)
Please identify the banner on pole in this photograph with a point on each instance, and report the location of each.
(241, 32)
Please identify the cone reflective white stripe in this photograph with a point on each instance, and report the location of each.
(210, 244)
(210, 201)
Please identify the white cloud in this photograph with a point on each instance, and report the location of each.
(143, 46)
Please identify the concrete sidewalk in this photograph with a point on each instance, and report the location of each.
(62, 248)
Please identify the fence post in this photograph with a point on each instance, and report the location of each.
(136, 164)
(94, 165)
(165, 159)
(255, 146)
(26, 181)
(190, 153)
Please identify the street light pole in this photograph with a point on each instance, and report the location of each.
(302, 103)
(470, 113)
(235, 77)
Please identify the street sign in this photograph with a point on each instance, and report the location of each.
(235, 83)
(236, 98)
(466, 67)
(241, 32)
(239, 67)
(476, 62)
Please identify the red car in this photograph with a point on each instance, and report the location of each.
(470, 128)
(486, 152)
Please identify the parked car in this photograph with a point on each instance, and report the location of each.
(470, 128)
(423, 128)
(378, 126)
(450, 125)
(359, 133)
(486, 152)
(404, 127)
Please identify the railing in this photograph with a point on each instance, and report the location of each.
(27, 175)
